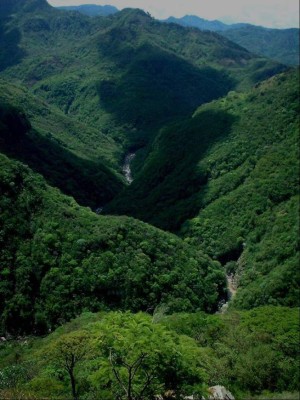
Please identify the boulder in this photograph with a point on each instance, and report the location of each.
(219, 393)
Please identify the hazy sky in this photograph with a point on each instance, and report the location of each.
(273, 13)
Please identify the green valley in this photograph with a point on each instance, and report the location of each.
(149, 210)
(236, 160)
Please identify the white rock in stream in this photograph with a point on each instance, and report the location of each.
(127, 167)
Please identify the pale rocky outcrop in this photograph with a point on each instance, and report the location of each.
(219, 393)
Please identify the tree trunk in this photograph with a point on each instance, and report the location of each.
(73, 384)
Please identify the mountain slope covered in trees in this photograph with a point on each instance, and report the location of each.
(64, 259)
(58, 147)
(281, 45)
(201, 23)
(116, 73)
(246, 351)
(117, 80)
(236, 161)
(278, 44)
(107, 306)
(91, 10)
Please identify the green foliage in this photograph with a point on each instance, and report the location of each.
(90, 182)
(124, 355)
(236, 161)
(282, 44)
(93, 89)
(67, 352)
(246, 351)
(164, 192)
(65, 259)
(138, 366)
(111, 356)
(117, 73)
(250, 211)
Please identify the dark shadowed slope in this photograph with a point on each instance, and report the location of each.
(58, 147)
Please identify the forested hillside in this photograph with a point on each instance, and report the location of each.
(278, 44)
(235, 160)
(117, 73)
(96, 303)
(64, 259)
(183, 353)
(281, 45)
(92, 10)
(59, 148)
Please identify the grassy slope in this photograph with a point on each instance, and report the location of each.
(236, 161)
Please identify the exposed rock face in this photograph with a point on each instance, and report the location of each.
(215, 393)
(220, 393)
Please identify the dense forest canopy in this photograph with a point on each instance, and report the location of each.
(187, 277)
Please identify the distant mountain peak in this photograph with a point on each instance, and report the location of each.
(135, 12)
(197, 22)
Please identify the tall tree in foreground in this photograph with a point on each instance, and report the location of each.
(141, 359)
(67, 352)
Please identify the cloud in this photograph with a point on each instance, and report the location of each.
(274, 13)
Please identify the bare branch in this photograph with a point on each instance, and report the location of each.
(136, 365)
(149, 379)
(116, 374)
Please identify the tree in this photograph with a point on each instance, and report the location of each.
(141, 359)
(132, 370)
(67, 352)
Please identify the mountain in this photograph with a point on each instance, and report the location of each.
(95, 304)
(7, 7)
(111, 76)
(92, 10)
(281, 45)
(58, 147)
(201, 23)
(65, 259)
(84, 66)
(234, 167)
(83, 91)
(278, 44)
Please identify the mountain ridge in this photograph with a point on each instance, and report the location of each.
(128, 52)
(202, 23)
(9, 6)
(279, 44)
(101, 306)
(91, 10)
